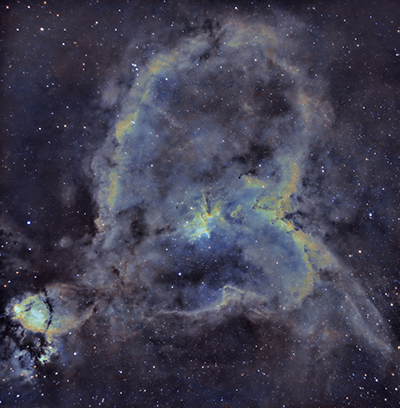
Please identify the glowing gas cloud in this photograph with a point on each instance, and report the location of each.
(200, 198)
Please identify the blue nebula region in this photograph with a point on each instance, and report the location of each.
(204, 271)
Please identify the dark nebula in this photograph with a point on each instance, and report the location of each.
(200, 204)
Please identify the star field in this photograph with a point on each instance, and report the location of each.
(199, 204)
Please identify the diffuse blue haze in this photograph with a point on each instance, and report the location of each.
(199, 191)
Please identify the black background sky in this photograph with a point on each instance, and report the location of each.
(64, 76)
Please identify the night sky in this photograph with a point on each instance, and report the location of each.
(200, 204)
